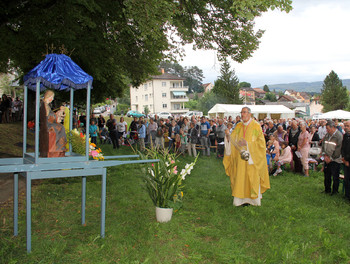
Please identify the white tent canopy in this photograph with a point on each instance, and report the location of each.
(258, 111)
(337, 114)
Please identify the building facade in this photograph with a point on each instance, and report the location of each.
(247, 95)
(207, 87)
(162, 93)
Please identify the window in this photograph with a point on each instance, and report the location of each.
(150, 95)
(165, 106)
(150, 84)
(142, 97)
(136, 98)
(145, 86)
(163, 94)
(177, 106)
(163, 84)
(146, 97)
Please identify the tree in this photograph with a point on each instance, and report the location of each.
(208, 100)
(244, 84)
(226, 86)
(146, 110)
(122, 42)
(194, 75)
(271, 97)
(5, 84)
(192, 104)
(266, 88)
(334, 95)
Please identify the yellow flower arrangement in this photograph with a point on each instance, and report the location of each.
(77, 139)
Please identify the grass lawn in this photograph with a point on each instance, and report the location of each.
(295, 224)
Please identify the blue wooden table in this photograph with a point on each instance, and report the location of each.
(51, 168)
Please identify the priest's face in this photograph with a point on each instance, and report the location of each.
(245, 114)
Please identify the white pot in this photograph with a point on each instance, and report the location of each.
(164, 215)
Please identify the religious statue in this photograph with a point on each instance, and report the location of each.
(52, 142)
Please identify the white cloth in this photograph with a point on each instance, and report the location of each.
(121, 126)
(239, 201)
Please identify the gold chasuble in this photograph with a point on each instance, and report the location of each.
(249, 179)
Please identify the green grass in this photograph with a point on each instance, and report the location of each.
(12, 140)
(295, 224)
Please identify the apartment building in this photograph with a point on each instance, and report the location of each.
(162, 93)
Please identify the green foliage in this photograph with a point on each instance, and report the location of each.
(124, 98)
(244, 84)
(192, 104)
(207, 101)
(271, 97)
(146, 110)
(77, 140)
(194, 75)
(122, 108)
(5, 84)
(122, 42)
(334, 95)
(163, 180)
(226, 87)
(266, 88)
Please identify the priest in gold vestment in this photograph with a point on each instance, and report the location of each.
(249, 177)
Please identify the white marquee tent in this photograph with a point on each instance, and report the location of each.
(337, 114)
(258, 111)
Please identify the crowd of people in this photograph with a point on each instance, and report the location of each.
(295, 141)
(11, 110)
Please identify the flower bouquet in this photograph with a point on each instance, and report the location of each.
(164, 180)
(77, 139)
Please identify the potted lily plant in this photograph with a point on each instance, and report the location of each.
(164, 182)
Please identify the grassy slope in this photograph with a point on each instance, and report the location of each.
(295, 224)
(11, 136)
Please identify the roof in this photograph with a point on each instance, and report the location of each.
(305, 95)
(286, 104)
(206, 85)
(337, 114)
(247, 89)
(287, 98)
(290, 91)
(234, 108)
(259, 90)
(167, 76)
(192, 95)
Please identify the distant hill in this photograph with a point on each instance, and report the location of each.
(311, 87)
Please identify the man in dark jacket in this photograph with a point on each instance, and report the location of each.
(112, 129)
(345, 152)
(293, 143)
(331, 151)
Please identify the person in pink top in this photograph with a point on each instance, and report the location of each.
(285, 157)
(304, 147)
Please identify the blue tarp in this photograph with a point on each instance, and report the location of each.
(59, 72)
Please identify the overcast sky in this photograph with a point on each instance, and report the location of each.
(301, 46)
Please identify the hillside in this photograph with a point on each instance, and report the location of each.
(311, 87)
